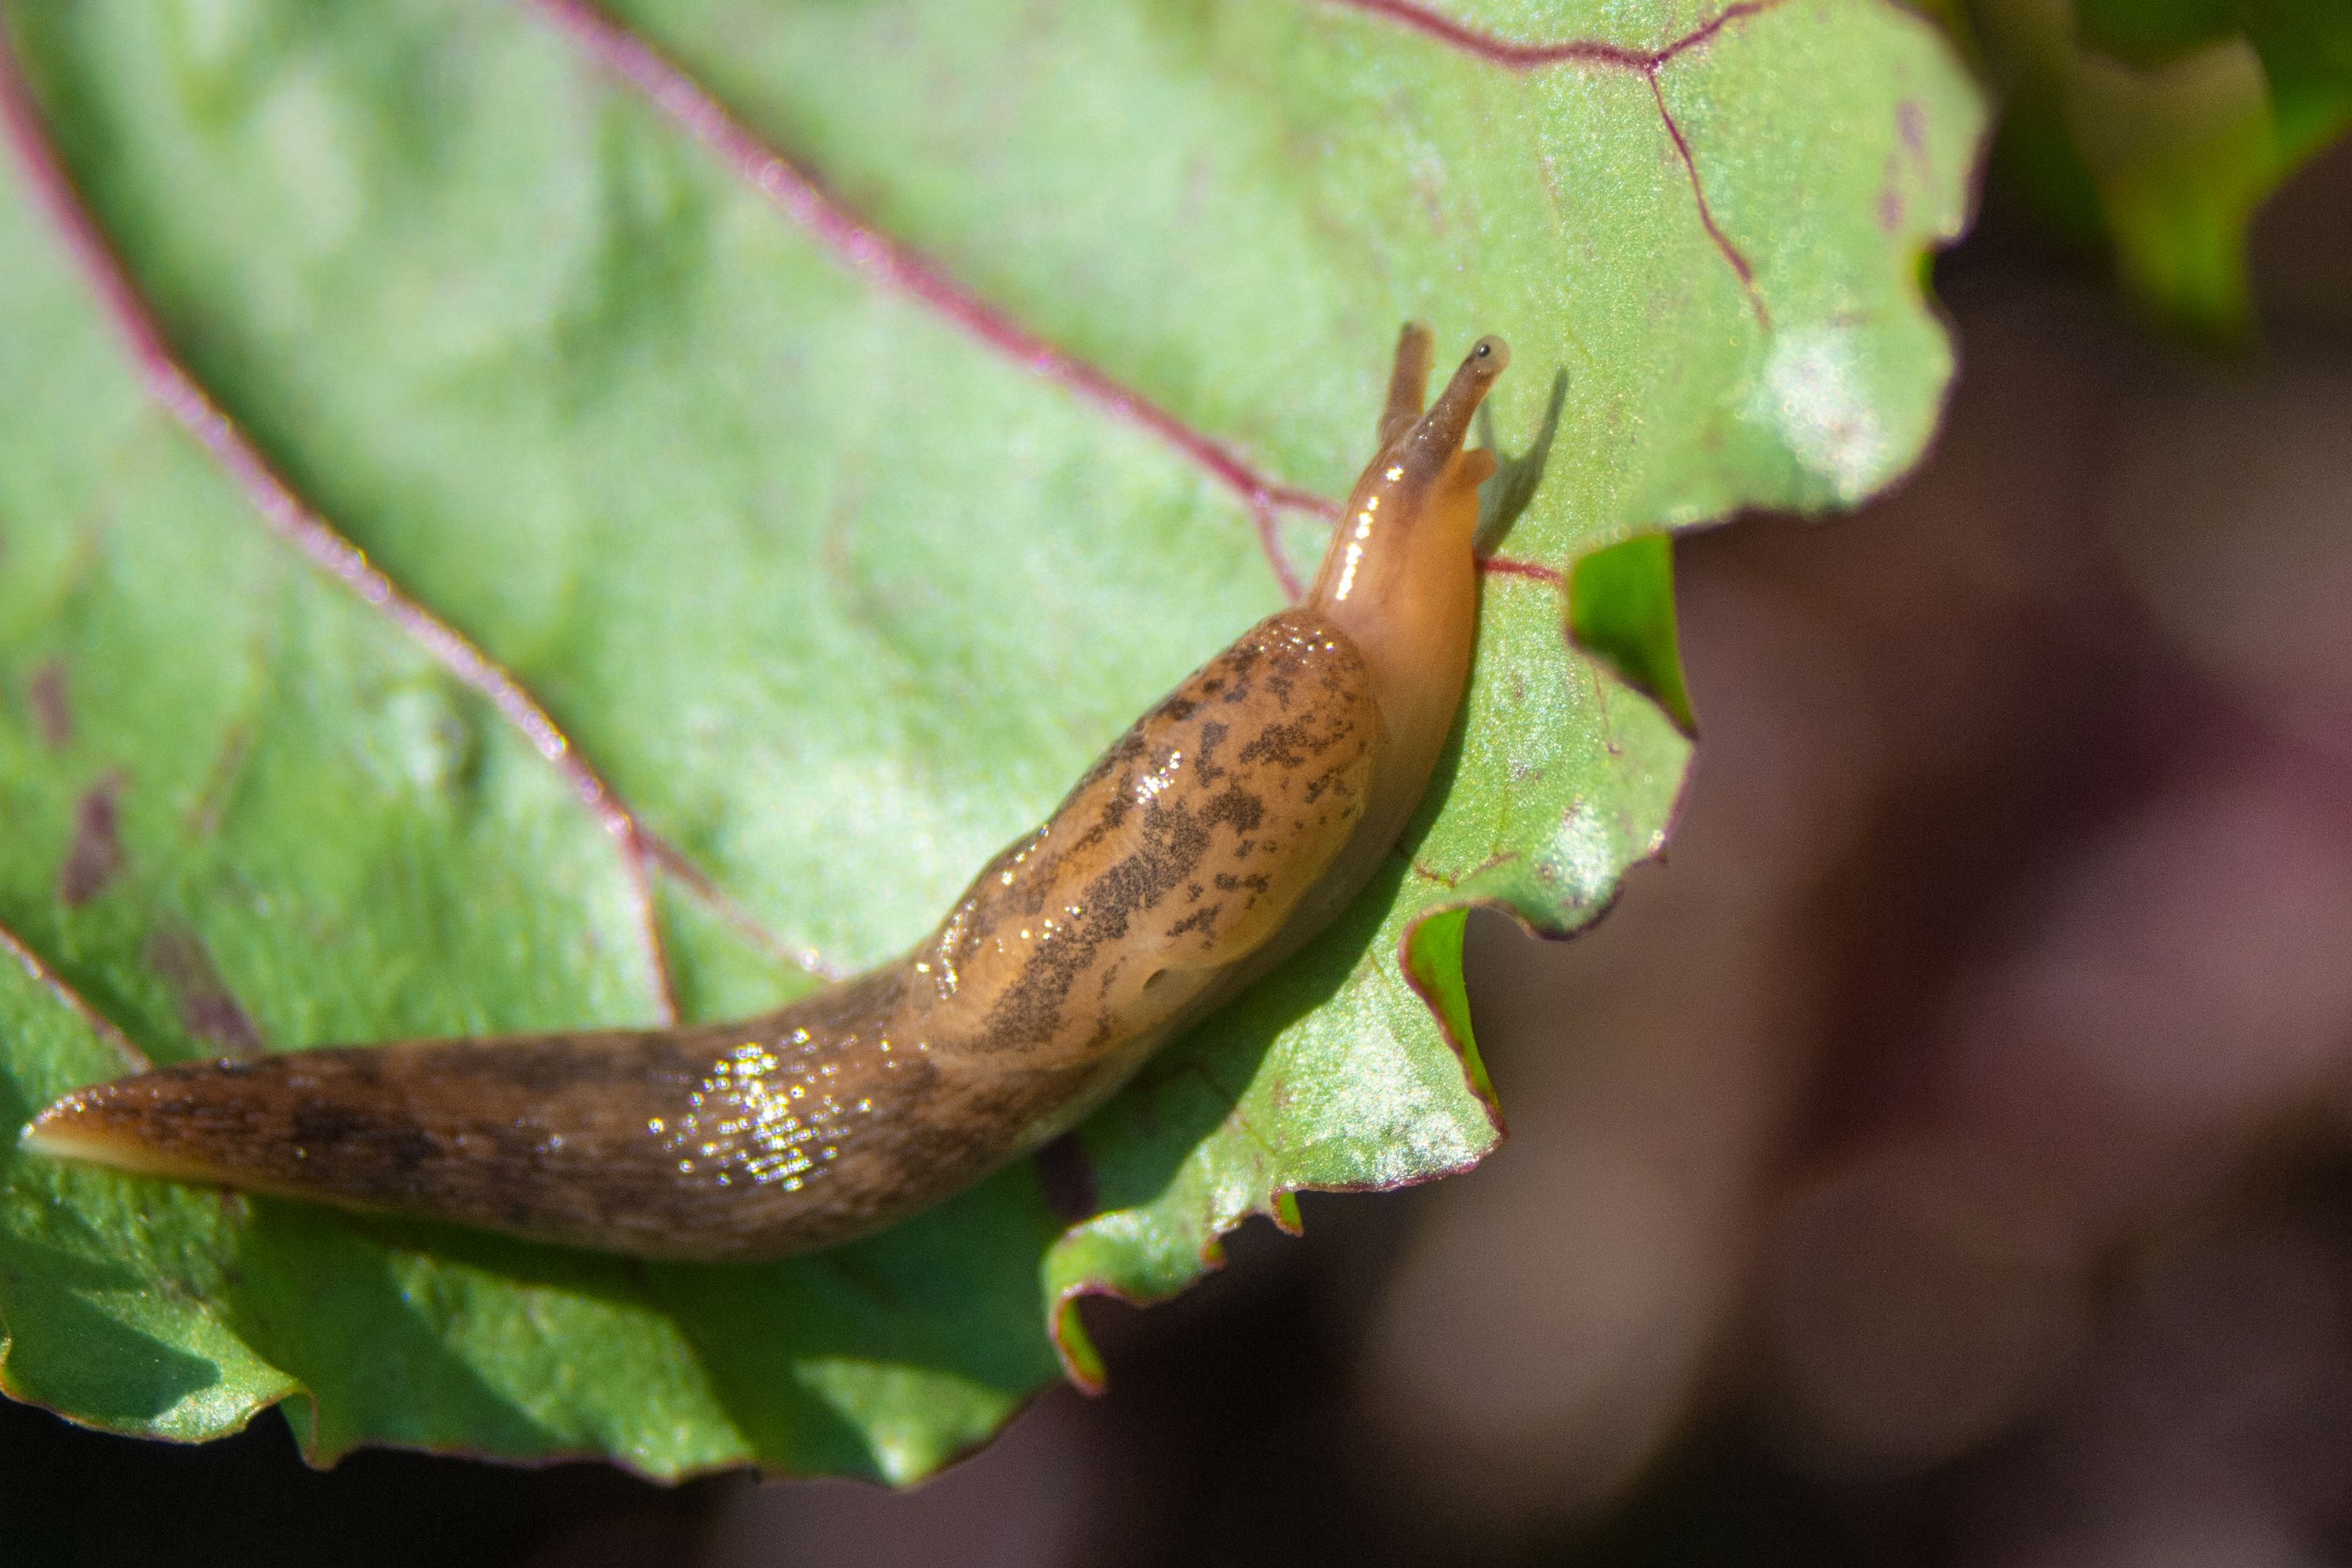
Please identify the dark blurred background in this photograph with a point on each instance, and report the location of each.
(1944, 1159)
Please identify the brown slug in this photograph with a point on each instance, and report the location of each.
(1228, 826)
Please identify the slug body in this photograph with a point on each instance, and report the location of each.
(1228, 826)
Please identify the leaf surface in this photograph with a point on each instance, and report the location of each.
(840, 420)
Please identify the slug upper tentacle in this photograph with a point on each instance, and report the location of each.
(1224, 829)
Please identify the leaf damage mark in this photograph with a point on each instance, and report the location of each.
(1514, 55)
(207, 1009)
(94, 854)
(1911, 124)
(52, 709)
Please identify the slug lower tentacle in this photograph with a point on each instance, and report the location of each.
(1228, 826)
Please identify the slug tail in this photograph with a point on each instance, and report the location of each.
(555, 1138)
(425, 1128)
(99, 1129)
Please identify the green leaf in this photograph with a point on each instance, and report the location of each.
(2164, 125)
(836, 574)
(1621, 608)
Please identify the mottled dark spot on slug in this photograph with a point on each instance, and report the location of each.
(1285, 745)
(1240, 663)
(1213, 736)
(1117, 807)
(548, 1065)
(314, 1124)
(1202, 920)
(1237, 808)
(1174, 841)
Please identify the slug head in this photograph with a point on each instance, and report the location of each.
(1399, 578)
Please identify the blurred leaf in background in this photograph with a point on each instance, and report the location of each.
(841, 433)
(2160, 126)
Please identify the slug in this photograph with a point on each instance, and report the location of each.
(1228, 826)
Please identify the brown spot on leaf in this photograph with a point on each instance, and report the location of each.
(96, 853)
(207, 1010)
(51, 710)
